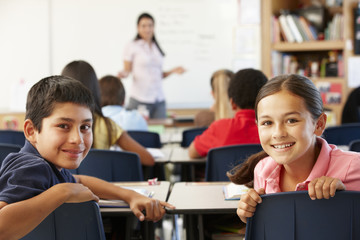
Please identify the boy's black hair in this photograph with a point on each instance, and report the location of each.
(44, 94)
(244, 87)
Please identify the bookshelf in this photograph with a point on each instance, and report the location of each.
(316, 48)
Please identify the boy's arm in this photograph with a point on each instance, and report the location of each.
(18, 219)
(137, 202)
(193, 152)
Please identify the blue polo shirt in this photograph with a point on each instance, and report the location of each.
(26, 174)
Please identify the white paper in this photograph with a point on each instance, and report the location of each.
(353, 72)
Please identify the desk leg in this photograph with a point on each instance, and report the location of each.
(200, 227)
(176, 233)
(148, 230)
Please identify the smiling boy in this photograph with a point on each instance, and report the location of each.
(35, 181)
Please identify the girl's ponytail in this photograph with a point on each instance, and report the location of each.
(244, 172)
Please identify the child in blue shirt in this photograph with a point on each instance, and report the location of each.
(35, 181)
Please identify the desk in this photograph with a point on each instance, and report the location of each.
(161, 193)
(197, 199)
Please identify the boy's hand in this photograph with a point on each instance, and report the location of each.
(248, 202)
(77, 192)
(153, 208)
(324, 187)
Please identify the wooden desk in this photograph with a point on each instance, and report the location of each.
(195, 199)
(161, 193)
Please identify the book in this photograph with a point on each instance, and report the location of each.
(286, 29)
(233, 191)
(293, 28)
(121, 203)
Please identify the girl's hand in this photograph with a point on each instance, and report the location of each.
(178, 70)
(248, 202)
(324, 187)
(154, 209)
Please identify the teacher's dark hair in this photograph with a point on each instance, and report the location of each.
(146, 15)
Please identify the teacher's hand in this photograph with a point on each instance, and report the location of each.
(178, 70)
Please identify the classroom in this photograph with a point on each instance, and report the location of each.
(207, 118)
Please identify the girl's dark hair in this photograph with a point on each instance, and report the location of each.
(298, 85)
(137, 37)
(85, 73)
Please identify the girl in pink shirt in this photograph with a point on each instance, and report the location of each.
(290, 119)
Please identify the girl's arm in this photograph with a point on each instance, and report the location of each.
(138, 203)
(324, 187)
(127, 143)
(20, 218)
(126, 71)
(248, 202)
(178, 70)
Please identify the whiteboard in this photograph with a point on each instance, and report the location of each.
(39, 37)
(195, 34)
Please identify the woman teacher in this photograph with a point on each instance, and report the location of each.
(144, 58)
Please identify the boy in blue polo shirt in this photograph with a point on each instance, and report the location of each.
(35, 181)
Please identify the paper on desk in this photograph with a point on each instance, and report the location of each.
(233, 191)
(121, 203)
(155, 152)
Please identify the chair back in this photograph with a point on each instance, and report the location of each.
(81, 221)
(293, 215)
(222, 159)
(146, 139)
(112, 166)
(188, 135)
(342, 134)
(6, 148)
(354, 146)
(12, 137)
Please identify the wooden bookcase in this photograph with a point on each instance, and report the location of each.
(273, 7)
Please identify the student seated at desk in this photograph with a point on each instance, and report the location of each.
(112, 101)
(291, 119)
(221, 108)
(35, 181)
(241, 129)
(106, 132)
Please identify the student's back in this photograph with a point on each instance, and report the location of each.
(112, 102)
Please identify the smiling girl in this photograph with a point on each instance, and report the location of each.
(290, 119)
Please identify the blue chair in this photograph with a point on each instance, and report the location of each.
(12, 137)
(189, 135)
(354, 146)
(293, 215)
(6, 148)
(71, 221)
(342, 134)
(222, 159)
(146, 139)
(112, 166)
(149, 140)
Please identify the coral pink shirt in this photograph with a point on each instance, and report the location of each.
(241, 129)
(332, 162)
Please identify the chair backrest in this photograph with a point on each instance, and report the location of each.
(188, 135)
(81, 221)
(146, 139)
(354, 146)
(12, 137)
(342, 134)
(111, 165)
(222, 159)
(294, 216)
(6, 148)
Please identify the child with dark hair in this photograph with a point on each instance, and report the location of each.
(35, 181)
(291, 120)
(112, 102)
(241, 129)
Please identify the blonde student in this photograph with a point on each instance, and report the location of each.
(35, 181)
(106, 132)
(290, 119)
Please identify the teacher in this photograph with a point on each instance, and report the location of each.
(144, 58)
